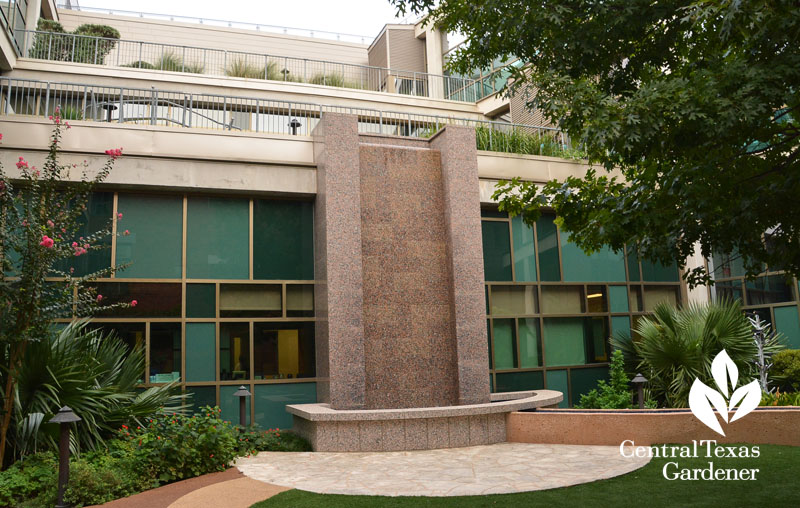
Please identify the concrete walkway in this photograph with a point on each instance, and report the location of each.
(477, 470)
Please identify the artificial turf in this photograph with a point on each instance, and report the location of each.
(777, 485)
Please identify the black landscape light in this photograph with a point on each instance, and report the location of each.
(639, 381)
(242, 393)
(294, 124)
(64, 417)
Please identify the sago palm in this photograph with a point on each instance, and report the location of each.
(675, 346)
(95, 374)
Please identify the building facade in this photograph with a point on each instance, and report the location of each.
(220, 192)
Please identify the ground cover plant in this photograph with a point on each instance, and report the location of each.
(775, 486)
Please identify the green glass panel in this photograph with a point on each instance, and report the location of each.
(633, 264)
(201, 355)
(271, 401)
(604, 265)
(97, 216)
(504, 348)
(557, 380)
(524, 251)
(496, 251)
(728, 265)
(518, 381)
(563, 341)
(165, 352)
(530, 345)
(656, 272)
(230, 404)
(201, 300)
(217, 243)
(585, 380)
(728, 290)
(618, 296)
(621, 325)
(155, 243)
(547, 236)
(787, 323)
(202, 396)
(283, 240)
(768, 289)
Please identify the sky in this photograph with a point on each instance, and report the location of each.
(358, 17)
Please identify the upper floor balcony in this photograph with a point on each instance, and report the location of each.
(124, 105)
(160, 57)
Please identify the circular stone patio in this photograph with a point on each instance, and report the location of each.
(493, 469)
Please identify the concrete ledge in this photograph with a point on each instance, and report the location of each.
(611, 427)
(428, 428)
(506, 402)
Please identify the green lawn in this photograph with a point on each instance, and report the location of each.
(776, 486)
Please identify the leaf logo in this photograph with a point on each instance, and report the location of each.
(703, 399)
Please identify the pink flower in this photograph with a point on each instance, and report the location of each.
(114, 152)
(134, 303)
(25, 223)
(119, 216)
(68, 125)
(46, 242)
(126, 232)
(1, 136)
(74, 244)
(99, 297)
(50, 223)
(21, 164)
(71, 270)
(86, 246)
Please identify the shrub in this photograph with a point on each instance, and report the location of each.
(239, 68)
(519, 141)
(139, 64)
(28, 479)
(786, 368)
(176, 446)
(780, 399)
(169, 61)
(614, 394)
(253, 440)
(93, 44)
(675, 346)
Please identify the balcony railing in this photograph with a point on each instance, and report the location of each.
(139, 106)
(214, 62)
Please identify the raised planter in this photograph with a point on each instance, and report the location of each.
(421, 428)
(766, 425)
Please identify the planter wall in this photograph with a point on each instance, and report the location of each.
(780, 426)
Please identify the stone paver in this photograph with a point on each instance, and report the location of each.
(493, 469)
(239, 493)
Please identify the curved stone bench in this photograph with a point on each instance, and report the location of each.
(421, 428)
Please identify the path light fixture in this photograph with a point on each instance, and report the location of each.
(64, 417)
(242, 393)
(294, 124)
(639, 381)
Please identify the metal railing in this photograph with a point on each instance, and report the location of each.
(303, 32)
(215, 62)
(142, 106)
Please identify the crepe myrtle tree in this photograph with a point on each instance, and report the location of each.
(687, 110)
(40, 224)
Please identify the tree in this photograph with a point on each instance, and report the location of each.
(40, 232)
(693, 105)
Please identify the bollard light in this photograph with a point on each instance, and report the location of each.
(242, 393)
(64, 417)
(639, 381)
(294, 124)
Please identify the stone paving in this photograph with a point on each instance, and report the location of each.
(493, 469)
